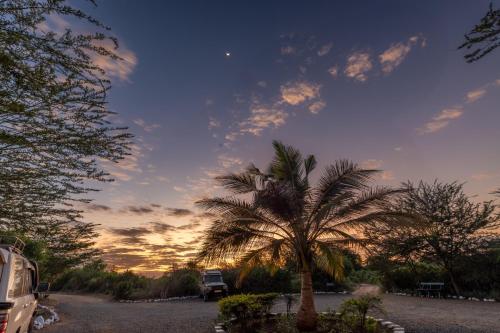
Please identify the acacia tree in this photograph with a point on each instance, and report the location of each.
(54, 123)
(277, 215)
(455, 226)
(484, 37)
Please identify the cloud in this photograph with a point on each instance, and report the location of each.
(262, 117)
(387, 175)
(213, 123)
(145, 126)
(178, 212)
(358, 64)
(295, 93)
(228, 161)
(287, 50)
(482, 176)
(441, 120)
(161, 228)
(474, 95)
(98, 207)
(317, 106)
(325, 49)
(120, 67)
(398, 148)
(372, 164)
(179, 189)
(397, 52)
(130, 232)
(262, 84)
(334, 71)
(139, 210)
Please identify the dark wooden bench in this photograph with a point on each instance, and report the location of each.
(429, 289)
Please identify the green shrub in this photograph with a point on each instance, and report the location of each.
(243, 307)
(354, 311)
(123, 290)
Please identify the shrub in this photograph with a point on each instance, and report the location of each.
(243, 307)
(355, 311)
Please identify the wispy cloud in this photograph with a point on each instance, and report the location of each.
(316, 107)
(228, 161)
(474, 95)
(298, 92)
(213, 123)
(148, 127)
(397, 52)
(358, 64)
(372, 164)
(441, 120)
(121, 67)
(287, 50)
(261, 117)
(334, 71)
(325, 49)
(262, 84)
(482, 176)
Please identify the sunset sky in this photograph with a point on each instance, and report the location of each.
(207, 85)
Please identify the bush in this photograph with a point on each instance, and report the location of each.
(243, 307)
(355, 311)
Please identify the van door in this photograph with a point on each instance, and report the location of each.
(16, 316)
(29, 298)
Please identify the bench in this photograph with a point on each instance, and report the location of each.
(429, 289)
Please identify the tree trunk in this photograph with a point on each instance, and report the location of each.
(453, 282)
(306, 316)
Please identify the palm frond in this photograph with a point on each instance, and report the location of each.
(268, 256)
(339, 179)
(287, 164)
(309, 164)
(238, 183)
(222, 242)
(330, 260)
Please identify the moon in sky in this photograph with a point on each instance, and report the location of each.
(228, 54)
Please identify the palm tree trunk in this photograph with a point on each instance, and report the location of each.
(306, 316)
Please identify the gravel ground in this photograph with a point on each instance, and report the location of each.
(91, 314)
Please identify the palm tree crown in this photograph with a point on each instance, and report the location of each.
(276, 215)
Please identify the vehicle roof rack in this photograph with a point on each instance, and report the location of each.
(13, 243)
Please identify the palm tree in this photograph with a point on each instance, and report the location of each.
(275, 216)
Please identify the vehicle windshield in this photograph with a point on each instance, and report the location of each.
(213, 278)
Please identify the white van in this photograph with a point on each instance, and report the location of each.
(18, 282)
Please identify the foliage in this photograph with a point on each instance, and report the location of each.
(484, 37)
(95, 278)
(247, 309)
(259, 280)
(454, 227)
(286, 218)
(54, 126)
(356, 310)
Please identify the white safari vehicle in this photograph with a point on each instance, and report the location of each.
(18, 282)
(212, 285)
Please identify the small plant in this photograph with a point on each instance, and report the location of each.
(290, 300)
(355, 311)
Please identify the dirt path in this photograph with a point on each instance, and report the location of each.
(91, 314)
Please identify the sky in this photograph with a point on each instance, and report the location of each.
(207, 85)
